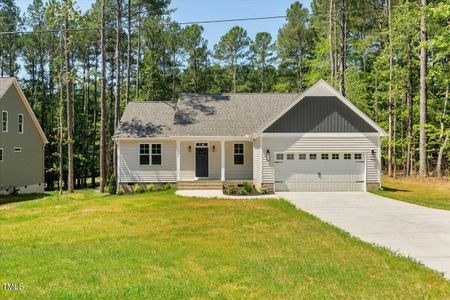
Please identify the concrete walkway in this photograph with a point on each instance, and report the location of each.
(220, 194)
(412, 230)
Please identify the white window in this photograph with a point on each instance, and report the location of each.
(146, 158)
(290, 156)
(279, 156)
(324, 156)
(313, 156)
(4, 121)
(335, 156)
(238, 154)
(20, 123)
(358, 156)
(17, 149)
(302, 156)
(1, 154)
(347, 156)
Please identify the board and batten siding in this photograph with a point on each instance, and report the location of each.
(257, 153)
(363, 144)
(131, 171)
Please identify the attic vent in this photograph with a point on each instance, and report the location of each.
(17, 149)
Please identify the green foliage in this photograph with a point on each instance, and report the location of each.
(112, 185)
(247, 186)
(167, 186)
(264, 190)
(137, 188)
(149, 187)
(242, 191)
(231, 189)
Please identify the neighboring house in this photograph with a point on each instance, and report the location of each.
(314, 141)
(21, 142)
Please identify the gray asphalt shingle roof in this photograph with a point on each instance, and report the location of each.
(202, 115)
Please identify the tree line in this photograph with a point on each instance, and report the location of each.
(80, 69)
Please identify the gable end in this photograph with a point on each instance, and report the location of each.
(316, 114)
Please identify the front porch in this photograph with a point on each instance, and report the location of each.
(210, 184)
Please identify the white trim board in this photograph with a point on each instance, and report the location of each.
(320, 134)
(318, 90)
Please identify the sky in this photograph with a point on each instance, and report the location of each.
(204, 10)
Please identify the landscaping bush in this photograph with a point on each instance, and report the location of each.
(263, 190)
(231, 189)
(150, 187)
(137, 188)
(247, 186)
(243, 191)
(167, 186)
(112, 185)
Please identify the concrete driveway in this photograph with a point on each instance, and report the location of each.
(411, 230)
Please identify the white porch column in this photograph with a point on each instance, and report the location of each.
(178, 161)
(222, 160)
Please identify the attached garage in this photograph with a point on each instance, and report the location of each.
(305, 172)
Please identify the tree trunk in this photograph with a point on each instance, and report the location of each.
(330, 41)
(94, 124)
(444, 144)
(423, 94)
(61, 122)
(342, 66)
(409, 104)
(138, 60)
(127, 91)
(103, 102)
(70, 140)
(118, 81)
(390, 125)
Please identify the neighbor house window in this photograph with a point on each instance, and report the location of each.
(358, 156)
(1, 154)
(324, 156)
(302, 156)
(20, 123)
(279, 156)
(347, 156)
(238, 154)
(150, 158)
(5, 121)
(335, 156)
(290, 156)
(313, 156)
(156, 154)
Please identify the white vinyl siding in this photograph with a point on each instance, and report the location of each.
(131, 171)
(327, 144)
(257, 157)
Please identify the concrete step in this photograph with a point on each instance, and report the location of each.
(199, 185)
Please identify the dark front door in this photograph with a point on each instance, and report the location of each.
(201, 162)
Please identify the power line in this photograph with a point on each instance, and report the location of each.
(125, 27)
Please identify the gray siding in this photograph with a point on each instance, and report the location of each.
(363, 144)
(24, 168)
(320, 114)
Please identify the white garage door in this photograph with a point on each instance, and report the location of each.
(297, 172)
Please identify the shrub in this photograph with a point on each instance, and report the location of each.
(231, 189)
(120, 193)
(264, 190)
(167, 186)
(243, 191)
(112, 185)
(247, 186)
(150, 187)
(137, 188)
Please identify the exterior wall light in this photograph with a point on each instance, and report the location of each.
(190, 148)
(267, 155)
(214, 148)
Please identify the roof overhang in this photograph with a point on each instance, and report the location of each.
(322, 88)
(186, 138)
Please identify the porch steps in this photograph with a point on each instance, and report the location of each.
(200, 185)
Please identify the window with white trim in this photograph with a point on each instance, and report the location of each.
(358, 156)
(4, 121)
(302, 156)
(324, 156)
(146, 157)
(279, 156)
(335, 156)
(290, 156)
(347, 156)
(20, 123)
(238, 154)
(1, 154)
(313, 156)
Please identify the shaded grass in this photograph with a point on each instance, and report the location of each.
(159, 245)
(431, 192)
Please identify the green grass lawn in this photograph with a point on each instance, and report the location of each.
(159, 245)
(429, 192)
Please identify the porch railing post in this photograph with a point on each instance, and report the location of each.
(178, 154)
(222, 160)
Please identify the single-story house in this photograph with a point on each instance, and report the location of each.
(313, 141)
(22, 142)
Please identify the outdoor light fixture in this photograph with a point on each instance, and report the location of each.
(267, 155)
(373, 151)
(214, 148)
(190, 148)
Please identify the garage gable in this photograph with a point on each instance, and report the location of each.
(320, 114)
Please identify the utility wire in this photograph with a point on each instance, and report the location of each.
(125, 27)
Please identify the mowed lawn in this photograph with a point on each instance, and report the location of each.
(431, 192)
(159, 245)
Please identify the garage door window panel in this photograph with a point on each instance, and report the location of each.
(279, 156)
(324, 156)
(358, 156)
(335, 156)
(290, 156)
(347, 156)
(313, 156)
(302, 156)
